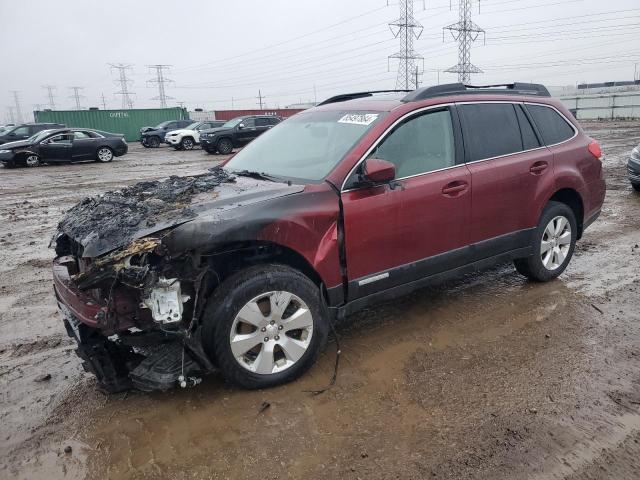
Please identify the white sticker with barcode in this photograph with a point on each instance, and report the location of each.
(359, 118)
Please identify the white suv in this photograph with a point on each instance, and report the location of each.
(187, 138)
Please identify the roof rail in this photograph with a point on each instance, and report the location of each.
(352, 96)
(516, 88)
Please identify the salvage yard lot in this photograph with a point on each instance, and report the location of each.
(486, 377)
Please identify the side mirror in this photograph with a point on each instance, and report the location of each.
(241, 126)
(377, 170)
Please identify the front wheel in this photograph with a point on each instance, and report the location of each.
(225, 146)
(104, 155)
(153, 142)
(187, 143)
(265, 326)
(554, 241)
(32, 160)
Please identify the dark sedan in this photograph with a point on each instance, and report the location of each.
(63, 145)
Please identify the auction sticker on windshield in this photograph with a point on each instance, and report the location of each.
(359, 118)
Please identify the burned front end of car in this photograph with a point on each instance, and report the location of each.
(128, 300)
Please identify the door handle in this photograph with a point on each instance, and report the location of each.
(452, 189)
(538, 167)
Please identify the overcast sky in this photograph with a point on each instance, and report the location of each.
(293, 50)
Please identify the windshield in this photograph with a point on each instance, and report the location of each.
(306, 146)
(160, 125)
(39, 136)
(193, 126)
(232, 123)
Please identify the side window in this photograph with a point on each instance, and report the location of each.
(553, 128)
(529, 138)
(262, 122)
(35, 129)
(80, 135)
(274, 121)
(185, 123)
(420, 144)
(21, 131)
(249, 122)
(491, 130)
(61, 139)
(171, 126)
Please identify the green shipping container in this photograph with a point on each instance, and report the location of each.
(127, 122)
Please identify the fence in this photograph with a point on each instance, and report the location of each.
(604, 106)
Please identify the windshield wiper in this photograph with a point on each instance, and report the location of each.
(258, 175)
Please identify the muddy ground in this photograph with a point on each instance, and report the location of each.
(489, 376)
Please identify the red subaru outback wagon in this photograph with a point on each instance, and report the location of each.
(366, 197)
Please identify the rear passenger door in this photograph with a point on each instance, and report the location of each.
(510, 172)
(83, 147)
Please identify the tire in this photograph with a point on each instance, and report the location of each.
(32, 160)
(104, 155)
(542, 266)
(266, 343)
(187, 143)
(225, 146)
(636, 186)
(153, 142)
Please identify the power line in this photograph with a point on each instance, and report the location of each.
(50, 89)
(406, 28)
(76, 96)
(465, 32)
(160, 81)
(122, 68)
(18, 110)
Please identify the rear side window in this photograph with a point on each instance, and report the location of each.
(553, 128)
(262, 122)
(529, 138)
(274, 121)
(491, 130)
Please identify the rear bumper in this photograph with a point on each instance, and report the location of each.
(74, 304)
(120, 151)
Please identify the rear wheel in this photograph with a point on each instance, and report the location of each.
(225, 146)
(265, 326)
(187, 143)
(636, 186)
(104, 154)
(553, 244)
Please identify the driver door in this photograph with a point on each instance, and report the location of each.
(247, 132)
(57, 148)
(415, 226)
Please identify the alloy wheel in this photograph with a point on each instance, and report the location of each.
(556, 242)
(271, 332)
(32, 161)
(105, 155)
(187, 144)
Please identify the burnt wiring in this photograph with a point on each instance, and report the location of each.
(334, 377)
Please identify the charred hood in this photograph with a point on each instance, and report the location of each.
(112, 220)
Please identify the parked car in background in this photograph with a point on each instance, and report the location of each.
(633, 168)
(26, 130)
(236, 133)
(63, 145)
(187, 138)
(353, 202)
(152, 137)
(4, 128)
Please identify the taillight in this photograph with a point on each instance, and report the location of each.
(594, 149)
